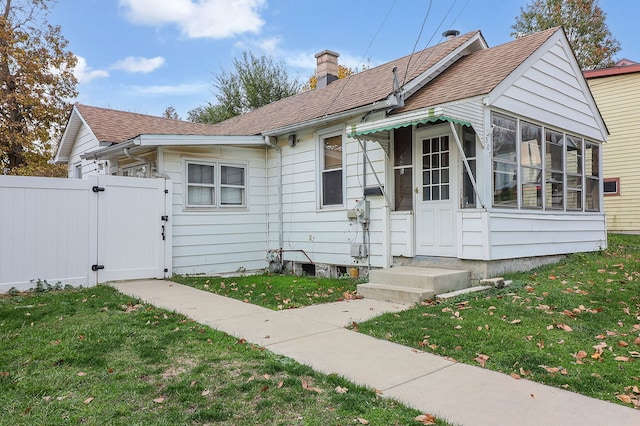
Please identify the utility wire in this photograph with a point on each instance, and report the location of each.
(384, 21)
(424, 21)
(434, 34)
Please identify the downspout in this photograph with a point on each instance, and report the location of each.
(267, 141)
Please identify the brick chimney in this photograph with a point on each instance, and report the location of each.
(326, 68)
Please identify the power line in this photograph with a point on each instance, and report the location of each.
(384, 21)
(424, 21)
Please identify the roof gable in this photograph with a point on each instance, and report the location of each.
(549, 81)
(478, 73)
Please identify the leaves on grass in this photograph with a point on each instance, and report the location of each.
(362, 421)
(341, 390)
(160, 399)
(88, 400)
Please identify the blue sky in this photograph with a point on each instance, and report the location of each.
(144, 55)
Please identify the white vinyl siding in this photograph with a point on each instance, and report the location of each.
(226, 239)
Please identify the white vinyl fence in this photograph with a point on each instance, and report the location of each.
(83, 232)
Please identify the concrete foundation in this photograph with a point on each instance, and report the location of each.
(480, 269)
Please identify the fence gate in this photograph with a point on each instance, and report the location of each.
(83, 232)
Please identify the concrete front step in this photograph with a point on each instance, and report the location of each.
(394, 293)
(438, 280)
(408, 284)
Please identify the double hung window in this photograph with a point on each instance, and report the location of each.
(332, 149)
(215, 185)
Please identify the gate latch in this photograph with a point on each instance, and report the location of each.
(96, 267)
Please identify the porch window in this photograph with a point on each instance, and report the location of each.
(505, 164)
(554, 166)
(332, 149)
(531, 165)
(592, 176)
(552, 170)
(213, 184)
(573, 161)
(403, 168)
(469, 147)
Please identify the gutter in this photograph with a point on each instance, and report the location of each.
(389, 102)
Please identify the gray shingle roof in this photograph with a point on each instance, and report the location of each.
(360, 89)
(118, 126)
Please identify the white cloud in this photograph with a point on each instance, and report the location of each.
(201, 18)
(84, 73)
(175, 90)
(138, 64)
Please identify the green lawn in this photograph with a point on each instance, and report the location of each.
(276, 291)
(95, 356)
(574, 325)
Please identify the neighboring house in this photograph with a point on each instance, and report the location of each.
(459, 154)
(617, 93)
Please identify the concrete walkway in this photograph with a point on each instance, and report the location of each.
(316, 336)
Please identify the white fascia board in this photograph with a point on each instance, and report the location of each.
(182, 140)
(109, 152)
(152, 141)
(420, 81)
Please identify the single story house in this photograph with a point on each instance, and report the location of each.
(459, 155)
(617, 93)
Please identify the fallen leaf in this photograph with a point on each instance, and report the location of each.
(264, 388)
(623, 344)
(205, 392)
(624, 398)
(622, 358)
(88, 400)
(564, 327)
(81, 373)
(481, 359)
(160, 400)
(425, 419)
(280, 384)
(341, 390)
(362, 421)
(306, 386)
(515, 376)
(516, 321)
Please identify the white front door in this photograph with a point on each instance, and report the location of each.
(436, 192)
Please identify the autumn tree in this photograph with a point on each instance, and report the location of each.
(253, 82)
(36, 86)
(343, 72)
(584, 22)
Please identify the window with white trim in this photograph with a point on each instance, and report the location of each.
(214, 185)
(535, 167)
(332, 148)
(611, 186)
